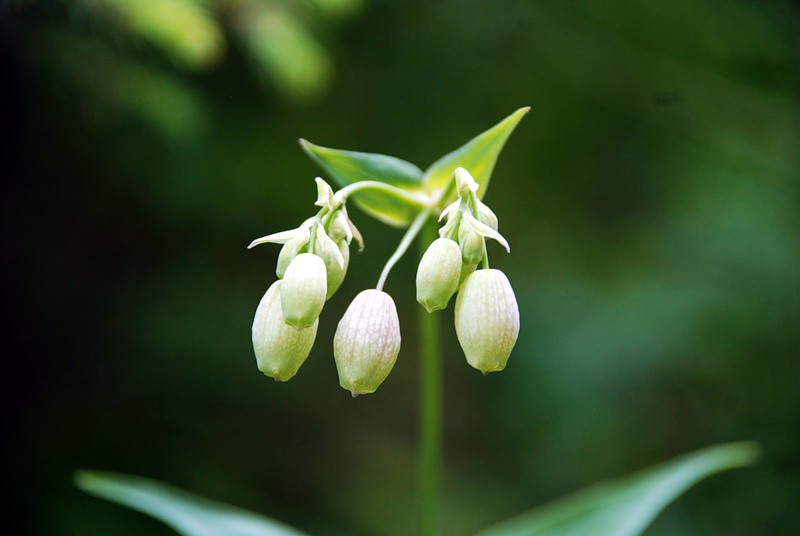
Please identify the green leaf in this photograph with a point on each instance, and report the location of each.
(477, 156)
(625, 507)
(347, 167)
(188, 514)
(185, 29)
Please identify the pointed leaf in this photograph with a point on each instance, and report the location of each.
(188, 514)
(347, 167)
(477, 156)
(625, 507)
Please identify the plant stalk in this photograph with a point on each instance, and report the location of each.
(411, 233)
(431, 395)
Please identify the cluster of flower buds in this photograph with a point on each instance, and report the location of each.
(486, 311)
(311, 267)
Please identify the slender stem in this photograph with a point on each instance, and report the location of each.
(431, 394)
(412, 198)
(402, 247)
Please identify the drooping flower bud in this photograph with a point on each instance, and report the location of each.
(303, 290)
(280, 349)
(367, 342)
(336, 272)
(466, 269)
(438, 274)
(487, 319)
(473, 246)
(291, 249)
(340, 227)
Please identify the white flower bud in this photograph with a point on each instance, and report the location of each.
(367, 342)
(296, 245)
(473, 246)
(336, 272)
(438, 274)
(340, 227)
(303, 291)
(280, 349)
(466, 269)
(487, 320)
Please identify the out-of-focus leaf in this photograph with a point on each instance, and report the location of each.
(113, 82)
(627, 506)
(347, 167)
(284, 51)
(188, 514)
(337, 8)
(184, 29)
(477, 156)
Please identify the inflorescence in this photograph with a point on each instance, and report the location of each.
(313, 263)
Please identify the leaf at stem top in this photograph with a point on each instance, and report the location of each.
(188, 514)
(627, 506)
(477, 156)
(348, 167)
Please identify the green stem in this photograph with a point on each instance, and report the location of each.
(431, 394)
(402, 247)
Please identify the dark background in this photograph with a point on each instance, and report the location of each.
(650, 198)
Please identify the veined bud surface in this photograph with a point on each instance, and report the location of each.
(303, 290)
(487, 319)
(438, 275)
(280, 349)
(466, 269)
(367, 342)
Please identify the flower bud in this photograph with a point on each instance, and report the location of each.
(466, 269)
(367, 342)
(340, 229)
(487, 320)
(296, 245)
(438, 274)
(473, 246)
(280, 349)
(335, 272)
(303, 291)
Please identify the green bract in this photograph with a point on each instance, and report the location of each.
(487, 320)
(438, 274)
(305, 285)
(367, 342)
(280, 349)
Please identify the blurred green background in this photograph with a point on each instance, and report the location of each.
(651, 199)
